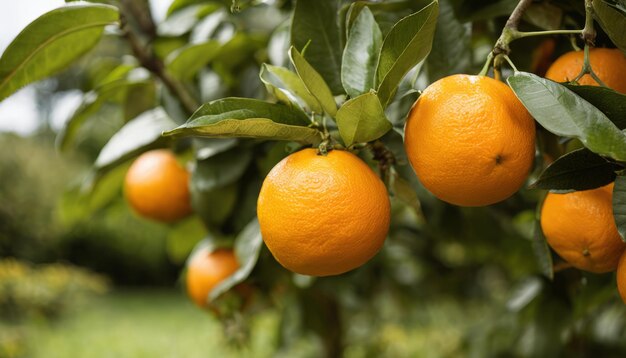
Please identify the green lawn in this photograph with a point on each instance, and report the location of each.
(165, 324)
(140, 324)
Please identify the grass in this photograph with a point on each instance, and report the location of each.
(140, 324)
(164, 323)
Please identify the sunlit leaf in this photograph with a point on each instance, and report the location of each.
(52, 42)
(314, 82)
(362, 119)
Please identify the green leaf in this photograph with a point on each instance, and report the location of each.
(183, 20)
(610, 102)
(237, 50)
(185, 62)
(612, 19)
(403, 190)
(389, 11)
(287, 87)
(248, 245)
(619, 205)
(407, 44)
(52, 42)
(242, 117)
(215, 205)
(221, 169)
(564, 113)
(138, 100)
(473, 10)
(316, 21)
(542, 251)
(183, 238)
(179, 4)
(314, 82)
(362, 119)
(451, 51)
(276, 112)
(135, 137)
(358, 67)
(581, 169)
(92, 101)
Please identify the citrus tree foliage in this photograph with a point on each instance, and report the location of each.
(236, 86)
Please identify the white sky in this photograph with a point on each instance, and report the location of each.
(18, 113)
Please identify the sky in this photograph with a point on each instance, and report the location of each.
(18, 113)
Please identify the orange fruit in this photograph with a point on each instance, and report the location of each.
(580, 227)
(621, 277)
(470, 140)
(608, 64)
(157, 186)
(206, 269)
(323, 215)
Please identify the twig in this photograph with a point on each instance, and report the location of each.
(502, 45)
(589, 32)
(152, 63)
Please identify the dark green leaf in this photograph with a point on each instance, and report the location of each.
(208, 147)
(92, 101)
(545, 15)
(564, 113)
(611, 103)
(613, 21)
(277, 112)
(451, 52)
(185, 62)
(135, 137)
(358, 67)
(542, 252)
(242, 117)
(388, 10)
(237, 50)
(619, 205)
(316, 21)
(221, 169)
(407, 44)
(314, 82)
(183, 238)
(52, 42)
(581, 169)
(215, 205)
(139, 100)
(287, 87)
(403, 190)
(247, 247)
(362, 119)
(473, 10)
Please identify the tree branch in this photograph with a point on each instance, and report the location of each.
(149, 60)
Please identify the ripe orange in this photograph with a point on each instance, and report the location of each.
(621, 277)
(580, 227)
(608, 64)
(469, 140)
(323, 215)
(157, 186)
(206, 270)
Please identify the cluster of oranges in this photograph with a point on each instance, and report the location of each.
(471, 143)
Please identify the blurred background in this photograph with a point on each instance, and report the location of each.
(86, 277)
